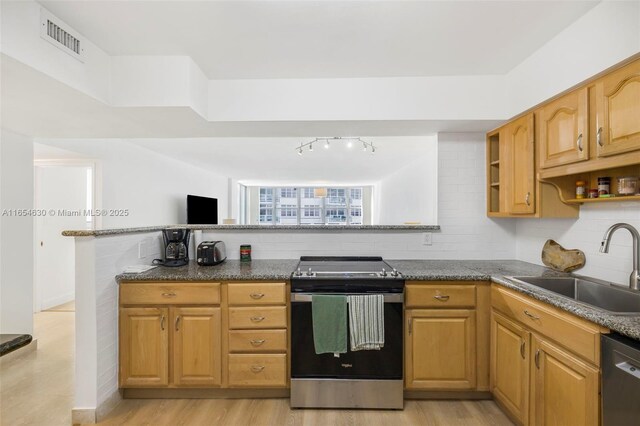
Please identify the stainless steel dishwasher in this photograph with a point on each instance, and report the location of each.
(620, 380)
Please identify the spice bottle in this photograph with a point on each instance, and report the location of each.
(581, 189)
(604, 185)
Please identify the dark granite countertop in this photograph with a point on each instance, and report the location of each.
(418, 270)
(235, 228)
(232, 270)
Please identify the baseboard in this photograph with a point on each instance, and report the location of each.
(469, 395)
(57, 301)
(83, 416)
(198, 393)
(108, 405)
(32, 346)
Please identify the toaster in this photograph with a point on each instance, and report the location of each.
(211, 253)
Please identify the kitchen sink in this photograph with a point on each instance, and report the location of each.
(600, 294)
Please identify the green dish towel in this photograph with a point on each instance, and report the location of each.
(329, 315)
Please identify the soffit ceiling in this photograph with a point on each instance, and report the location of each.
(326, 39)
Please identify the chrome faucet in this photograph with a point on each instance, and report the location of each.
(634, 280)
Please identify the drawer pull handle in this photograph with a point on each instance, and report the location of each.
(527, 199)
(257, 296)
(257, 342)
(441, 297)
(177, 323)
(537, 359)
(530, 315)
(162, 323)
(257, 368)
(257, 319)
(168, 295)
(522, 349)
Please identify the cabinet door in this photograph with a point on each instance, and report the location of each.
(564, 389)
(563, 135)
(618, 100)
(196, 346)
(441, 349)
(510, 366)
(520, 168)
(144, 347)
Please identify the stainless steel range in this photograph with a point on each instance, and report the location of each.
(356, 379)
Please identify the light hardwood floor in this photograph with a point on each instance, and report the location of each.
(276, 412)
(37, 389)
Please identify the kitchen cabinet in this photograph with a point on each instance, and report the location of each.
(565, 390)
(257, 336)
(441, 348)
(520, 167)
(144, 347)
(510, 344)
(544, 362)
(564, 128)
(618, 111)
(163, 345)
(447, 335)
(196, 334)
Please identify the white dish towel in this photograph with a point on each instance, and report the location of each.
(366, 322)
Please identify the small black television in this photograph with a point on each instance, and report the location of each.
(202, 210)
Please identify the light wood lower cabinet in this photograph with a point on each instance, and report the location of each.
(196, 343)
(564, 389)
(544, 368)
(144, 347)
(510, 345)
(441, 349)
(447, 335)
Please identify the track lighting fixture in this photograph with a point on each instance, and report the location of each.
(327, 144)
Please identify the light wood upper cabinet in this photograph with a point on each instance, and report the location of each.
(521, 165)
(564, 127)
(441, 349)
(196, 343)
(510, 345)
(564, 389)
(144, 347)
(618, 115)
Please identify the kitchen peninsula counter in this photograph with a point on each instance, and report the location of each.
(496, 271)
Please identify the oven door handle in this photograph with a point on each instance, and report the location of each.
(388, 297)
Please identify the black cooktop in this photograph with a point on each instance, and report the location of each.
(339, 273)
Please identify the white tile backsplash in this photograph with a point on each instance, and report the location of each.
(585, 233)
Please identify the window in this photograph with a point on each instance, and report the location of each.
(301, 206)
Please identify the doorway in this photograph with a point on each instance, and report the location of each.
(64, 198)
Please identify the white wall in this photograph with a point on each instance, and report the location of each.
(152, 186)
(585, 234)
(604, 36)
(411, 193)
(16, 244)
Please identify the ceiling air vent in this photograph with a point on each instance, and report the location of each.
(60, 35)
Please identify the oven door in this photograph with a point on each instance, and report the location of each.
(384, 364)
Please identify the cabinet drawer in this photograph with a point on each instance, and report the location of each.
(577, 335)
(257, 370)
(263, 317)
(257, 294)
(258, 341)
(440, 295)
(170, 294)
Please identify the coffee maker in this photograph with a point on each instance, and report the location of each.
(176, 247)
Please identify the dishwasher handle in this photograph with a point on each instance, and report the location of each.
(629, 368)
